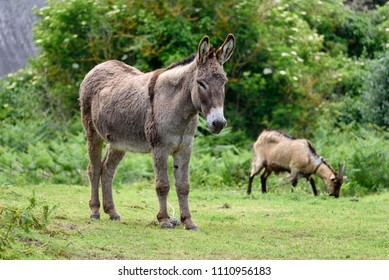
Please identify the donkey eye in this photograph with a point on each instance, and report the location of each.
(202, 84)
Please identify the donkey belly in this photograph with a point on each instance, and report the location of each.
(133, 142)
(124, 137)
(120, 120)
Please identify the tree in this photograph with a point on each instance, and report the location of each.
(375, 92)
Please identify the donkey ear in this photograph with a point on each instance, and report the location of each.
(203, 49)
(225, 51)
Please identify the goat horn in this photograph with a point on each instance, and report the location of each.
(341, 171)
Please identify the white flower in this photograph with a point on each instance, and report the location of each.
(267, 71)
(295, 78)
(299, 59)
(283, 72)
(293, 52)
(75, 66)
(124, 57)
(284, 54)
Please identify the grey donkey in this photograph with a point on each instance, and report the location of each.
(153, 112)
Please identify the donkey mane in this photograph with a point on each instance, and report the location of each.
(183, 62)
(190, 59)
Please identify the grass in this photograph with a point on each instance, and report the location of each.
(232, 226)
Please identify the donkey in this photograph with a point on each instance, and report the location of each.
(153, 112)
(277, 151)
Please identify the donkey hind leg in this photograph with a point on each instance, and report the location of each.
(181, 175)
(162, 187)
(95, 147)
(312, 181)
(264, 176)
(109, 165)
(255, 169)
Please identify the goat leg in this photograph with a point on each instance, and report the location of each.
(312, 181)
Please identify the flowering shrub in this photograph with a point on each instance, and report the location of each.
(290, 55)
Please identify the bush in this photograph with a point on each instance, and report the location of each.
(375, 92)
(282, 69)
(369, 172)
(365, 150)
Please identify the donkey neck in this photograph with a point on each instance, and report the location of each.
(175, 86)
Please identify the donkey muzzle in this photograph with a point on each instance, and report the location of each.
(216, 121)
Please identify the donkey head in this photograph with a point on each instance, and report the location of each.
(209, 81)
(337, 181)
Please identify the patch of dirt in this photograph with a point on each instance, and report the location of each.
(135, 207)
(30, 241)
(225, 206)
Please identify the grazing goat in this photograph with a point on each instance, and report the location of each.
(279, 152)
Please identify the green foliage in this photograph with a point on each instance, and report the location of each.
(370, 171)
(365, 150)
(375, 92)
(25, 218)
(290, 55)
(21, 96)
(310, 68)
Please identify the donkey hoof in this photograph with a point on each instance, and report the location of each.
(192, 228)
(115, 217)
(95, 216)
(166, 225)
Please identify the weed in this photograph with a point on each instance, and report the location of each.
(13, 218)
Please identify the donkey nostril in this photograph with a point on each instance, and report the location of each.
(213, 123)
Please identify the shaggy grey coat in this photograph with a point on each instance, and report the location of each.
(153, 112)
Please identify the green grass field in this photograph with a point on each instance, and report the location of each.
(232, 225)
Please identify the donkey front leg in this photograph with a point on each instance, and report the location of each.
(109, 165)
(181, 174)
(162, 186)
